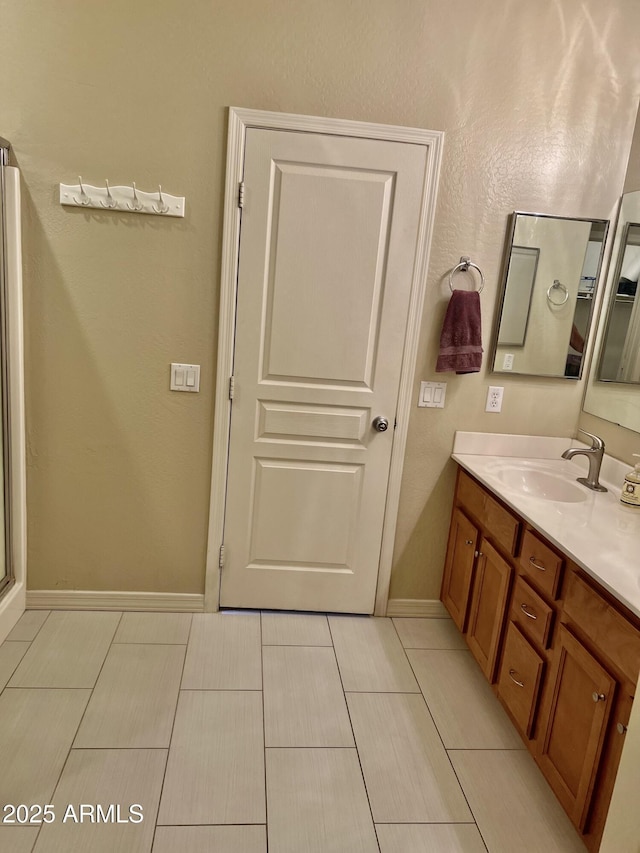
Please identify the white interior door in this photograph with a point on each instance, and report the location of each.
(327, 251)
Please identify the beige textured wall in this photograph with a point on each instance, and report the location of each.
(537, 100)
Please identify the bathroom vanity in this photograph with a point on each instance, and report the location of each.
(542, 578)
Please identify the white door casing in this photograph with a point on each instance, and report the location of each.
(332, 261)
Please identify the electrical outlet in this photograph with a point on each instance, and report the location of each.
(494, 399)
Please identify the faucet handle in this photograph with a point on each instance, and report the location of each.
(596, 442)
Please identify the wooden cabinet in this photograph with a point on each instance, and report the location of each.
(520, 678)
(562, 653)
(582, 695)
(488, 605)
(458, 570)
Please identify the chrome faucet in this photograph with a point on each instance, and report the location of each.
(594, 454)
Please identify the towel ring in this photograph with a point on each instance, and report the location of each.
(557, 285)
(463, 266)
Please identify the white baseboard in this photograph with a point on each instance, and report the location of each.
(80, 599)
(429, 608)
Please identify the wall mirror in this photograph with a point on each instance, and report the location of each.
(612, 390)
(551, 269)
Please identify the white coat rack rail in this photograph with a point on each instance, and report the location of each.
(122, 199)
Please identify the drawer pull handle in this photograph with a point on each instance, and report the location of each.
(468, 542)
(621, 728)
(512, 672)
(598, 697)
(523, 607)
(535, 565)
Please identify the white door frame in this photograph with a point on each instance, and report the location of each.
(239, 121)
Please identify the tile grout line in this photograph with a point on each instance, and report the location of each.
(355, 742)
(424, 699)
(66, 761)
(173, 725)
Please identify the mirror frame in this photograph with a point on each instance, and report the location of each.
(615, 402)
(609, 303)
(513, 219)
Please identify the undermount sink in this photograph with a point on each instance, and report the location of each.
(538, 483)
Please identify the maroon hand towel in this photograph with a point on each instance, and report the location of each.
(461, 338)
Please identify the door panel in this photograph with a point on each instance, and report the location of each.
(327, 247)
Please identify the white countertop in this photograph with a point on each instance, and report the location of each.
(599, 533)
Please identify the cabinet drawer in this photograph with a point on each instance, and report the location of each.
(502, 527)
(541, 564)
(609, 631)
(520, 677)
(532, 613)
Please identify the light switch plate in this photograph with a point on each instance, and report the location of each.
(432, 394)
(185, 377)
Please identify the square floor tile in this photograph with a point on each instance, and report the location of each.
(68, 651)
(304, 703)
(408, 774)
(466, 712)
(210, 839)
(106, 777)
(295, 629)
(513, 805)
(37, 728)
(215, 772)
(134, 701)
(429, 634)
(430, 838)
(370, 655)
(317, 802)
(224, 652)
(164, 628)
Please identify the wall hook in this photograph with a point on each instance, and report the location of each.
(162, 208)
(110, 202)
(84, 198)
(137, 204)
(122, 199)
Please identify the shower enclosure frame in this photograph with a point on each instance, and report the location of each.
(9, 577)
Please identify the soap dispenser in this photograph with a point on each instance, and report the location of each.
(631, 488)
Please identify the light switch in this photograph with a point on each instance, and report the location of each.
(185, 377)
(432, 394)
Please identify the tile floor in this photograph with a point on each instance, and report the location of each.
(242, 732)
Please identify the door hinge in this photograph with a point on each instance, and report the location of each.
(232, 387)
(241, 194)
(221, 557)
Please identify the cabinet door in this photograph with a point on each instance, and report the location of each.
(580, 705)
(458, 570)
(488, 607)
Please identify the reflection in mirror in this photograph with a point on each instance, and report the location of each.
(612, 391)
(620, 356)
(552, 267)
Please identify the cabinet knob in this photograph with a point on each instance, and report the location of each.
(469, 542)
(598, 697)
(621, 728)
